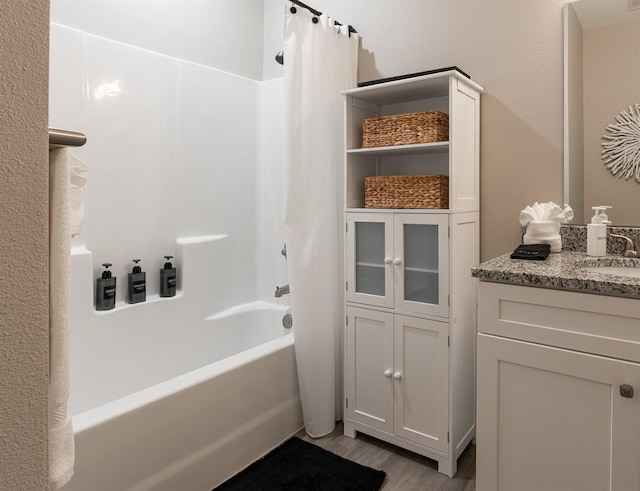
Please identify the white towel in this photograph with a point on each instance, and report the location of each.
(61, 220)
(543, 232)
(543, 223)
(76, 201)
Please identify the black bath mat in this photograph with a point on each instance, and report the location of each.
(301, 466)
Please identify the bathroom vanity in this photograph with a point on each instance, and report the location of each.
(558, 373)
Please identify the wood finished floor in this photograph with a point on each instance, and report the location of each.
(406, 471)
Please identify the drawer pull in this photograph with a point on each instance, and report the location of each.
(626, 391)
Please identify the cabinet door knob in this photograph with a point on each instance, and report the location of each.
(397, 376)
(387, 260)
(387, 373)
(397, 261)
(626, 391)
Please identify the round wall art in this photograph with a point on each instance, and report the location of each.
(621, 149)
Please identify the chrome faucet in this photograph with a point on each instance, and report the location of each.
(629, 247)
(282, 290)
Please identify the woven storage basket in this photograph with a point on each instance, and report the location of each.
(406, 192)
(405, 129)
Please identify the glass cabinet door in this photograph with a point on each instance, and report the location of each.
(369, 259)
(421, 261)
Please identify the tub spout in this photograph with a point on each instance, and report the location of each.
(282, 290)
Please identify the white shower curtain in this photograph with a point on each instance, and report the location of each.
(320, 60)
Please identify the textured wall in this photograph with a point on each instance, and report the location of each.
(24, 310)
(513, 48)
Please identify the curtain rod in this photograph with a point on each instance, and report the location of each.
(310, 9)
(64, 138)
(318, 13)
(280, 54)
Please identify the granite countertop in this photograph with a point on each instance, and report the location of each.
(563, 271)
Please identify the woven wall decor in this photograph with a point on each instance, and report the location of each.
(621, 150)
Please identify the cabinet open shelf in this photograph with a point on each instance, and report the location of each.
(416, 149)
(421, 211)
(394, 92)
(457, 158)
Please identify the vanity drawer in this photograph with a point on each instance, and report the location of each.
(603, 325)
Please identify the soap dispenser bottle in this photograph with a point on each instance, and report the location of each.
(597, 234)
(137, 284)
(168, 279)
(106, 290)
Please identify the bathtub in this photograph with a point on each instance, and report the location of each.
(166, 395)
(193, 431)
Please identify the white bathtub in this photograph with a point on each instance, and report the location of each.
(166, 395)
(193, 431)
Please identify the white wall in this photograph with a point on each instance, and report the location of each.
(223, 34)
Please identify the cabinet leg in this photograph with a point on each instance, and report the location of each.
(448, 467)
(349, 430)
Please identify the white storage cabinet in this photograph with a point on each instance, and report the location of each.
(410, 329)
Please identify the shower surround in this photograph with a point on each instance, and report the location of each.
(186, 161)
(176, 150)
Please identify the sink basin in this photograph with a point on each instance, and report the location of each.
(628, 272)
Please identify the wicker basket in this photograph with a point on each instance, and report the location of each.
(406, 192)
(405, 129)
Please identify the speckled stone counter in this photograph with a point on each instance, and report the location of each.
(563, 271)
(574, 238)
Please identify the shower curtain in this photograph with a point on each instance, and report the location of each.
(320, 60)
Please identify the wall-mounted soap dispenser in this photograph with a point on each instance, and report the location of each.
(106, 290)
(137, 284)
(168, 279)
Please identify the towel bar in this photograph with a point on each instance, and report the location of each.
(63, 138)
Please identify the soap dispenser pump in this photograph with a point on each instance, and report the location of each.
(603, 214)
(137, 284)
(168, 279)
(597, 234)
(106, 290)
